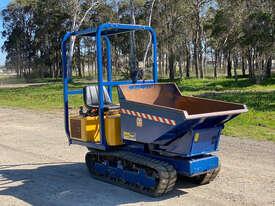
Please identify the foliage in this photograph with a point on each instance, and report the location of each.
(194, 37)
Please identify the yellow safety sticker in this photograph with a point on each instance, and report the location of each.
(129, 135)
(196, 137)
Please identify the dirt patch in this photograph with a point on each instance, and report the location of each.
(37, 167)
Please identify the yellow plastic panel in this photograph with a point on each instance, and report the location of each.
(92, 129)
(87, 129)
(112, 130)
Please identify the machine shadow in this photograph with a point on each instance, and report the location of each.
(66, 184)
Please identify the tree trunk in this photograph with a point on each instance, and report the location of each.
(188, 61)
(229, 65)
(196, 59)
(133, 68)
(70, 59)
(160, 62)
(83, 63)
(180, 65)
(150, 37)
(216, 63)
(163, 64)
(235, 61)
(268, 67)
(257, 68)
(253, 65)
(219, 66)
(171, 60)
(243, 66)
(78, 61)
(200, 61)
(89, 65)
(198, 40)
(250, 65)
(166, 64)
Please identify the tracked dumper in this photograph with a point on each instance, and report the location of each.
(154, 135)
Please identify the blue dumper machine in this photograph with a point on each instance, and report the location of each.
(154, 135)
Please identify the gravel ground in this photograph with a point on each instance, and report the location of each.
(37, 167)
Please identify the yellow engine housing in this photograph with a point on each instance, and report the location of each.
(87, 129)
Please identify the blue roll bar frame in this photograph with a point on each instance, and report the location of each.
(103, 30)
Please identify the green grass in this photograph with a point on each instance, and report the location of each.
(198, 86)
(258, 123)
(33, 97)
(41, 97)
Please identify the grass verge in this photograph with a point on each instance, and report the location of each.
(258, 123)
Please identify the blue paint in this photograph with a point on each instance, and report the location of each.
(100, 85)
(109, 65)
(187, 146)
(140, 86)
(72, 92)
(117, 83)
(193, 166)
(65, 85)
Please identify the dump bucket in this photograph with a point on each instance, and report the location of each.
(159, 114)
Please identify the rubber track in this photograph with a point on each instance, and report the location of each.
(166, 172)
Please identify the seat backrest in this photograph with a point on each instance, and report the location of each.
(90, 96)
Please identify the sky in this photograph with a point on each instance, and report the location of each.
(3, 4)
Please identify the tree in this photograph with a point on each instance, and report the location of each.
(232, 34)
(258, 37)
(150, 37)
(76, 9)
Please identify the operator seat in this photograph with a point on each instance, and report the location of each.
(90, 96)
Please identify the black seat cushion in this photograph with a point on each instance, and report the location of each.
(90, 96)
